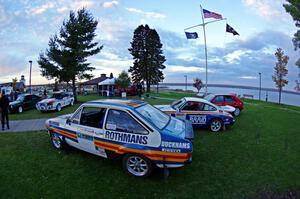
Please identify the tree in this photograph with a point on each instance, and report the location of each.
(280, 71)
(123, 80)
(148, 57)
(66, 58)
(293, 8)
(14, 83)
(198, 84)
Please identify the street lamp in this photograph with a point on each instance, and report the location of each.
(30, 62)
(185, 82)
(259, 86)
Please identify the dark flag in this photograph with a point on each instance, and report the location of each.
(191, 35)
(231, 30)
(210, 14)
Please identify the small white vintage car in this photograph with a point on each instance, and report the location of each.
(56, 102)
(135, 131)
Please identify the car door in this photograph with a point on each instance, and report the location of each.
(218, 100)
(229, 100)
(26, 102)
(193, 112)
(88, 123)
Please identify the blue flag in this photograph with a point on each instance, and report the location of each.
(191, 35)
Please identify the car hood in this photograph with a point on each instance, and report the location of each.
(164, 107)
(47, 100)
(14, 103)
(227, 108)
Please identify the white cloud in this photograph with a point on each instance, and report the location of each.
(41, 9)
(81, 4)
(185, 69)
(155, 15)
(265, 8)
(248, 77)
(235, 56)
(110, 4)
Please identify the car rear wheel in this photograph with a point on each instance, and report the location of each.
(216, 125)
(56, 141)
(137, 165)
(237, 112)
(20, 109)
(58, 107)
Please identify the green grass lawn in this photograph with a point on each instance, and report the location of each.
(259, 153)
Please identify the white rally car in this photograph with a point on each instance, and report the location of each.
(56, 102)
(137, 132)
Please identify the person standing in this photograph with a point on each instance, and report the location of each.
(4, 103)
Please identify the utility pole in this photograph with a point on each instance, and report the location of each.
(259, 86)
(185, 82)
(30, 62)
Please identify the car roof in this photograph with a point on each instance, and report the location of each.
(228, 94)
(118, 102)
(197, 99)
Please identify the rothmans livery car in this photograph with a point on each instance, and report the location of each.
(56, 102)
(140, 134)
(199, 112)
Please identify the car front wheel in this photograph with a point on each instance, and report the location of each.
(137, 165)
(216, 125)
(58, 107)
(56, 141)
(237, 112)
(71, 103)
(20, 109)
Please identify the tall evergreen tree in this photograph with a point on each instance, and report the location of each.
(293, 8)
(148, 57)
(66, 58)
(280, 71)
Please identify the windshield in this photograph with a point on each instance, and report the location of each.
(209, 97)
(177, 103)
(153, 115)
(57, 96)
(20, 98)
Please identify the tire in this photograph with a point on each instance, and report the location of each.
(20, 109)
(71, 103)
(137, 165)
(237, 112)
(56, 141)
(58, 107)
(216, 125)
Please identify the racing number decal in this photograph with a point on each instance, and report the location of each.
(198, 119)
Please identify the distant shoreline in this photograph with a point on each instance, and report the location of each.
(231, 86)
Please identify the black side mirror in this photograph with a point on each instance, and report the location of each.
(68, 121)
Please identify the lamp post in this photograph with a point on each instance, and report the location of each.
(185, 82)
(259, 86)
(30, 62)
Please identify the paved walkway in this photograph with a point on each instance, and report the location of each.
(25, 125)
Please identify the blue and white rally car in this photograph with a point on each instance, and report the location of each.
(200, 112)
(141, 134)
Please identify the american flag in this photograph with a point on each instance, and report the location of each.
(209, 14)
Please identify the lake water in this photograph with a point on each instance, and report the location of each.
(286, 98)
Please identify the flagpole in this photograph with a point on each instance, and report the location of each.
(204, 34)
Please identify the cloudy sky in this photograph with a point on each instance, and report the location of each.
(263, 25)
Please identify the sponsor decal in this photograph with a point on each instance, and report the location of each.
(126, 137)
(198, 119)
(180, 145)
(171, 150)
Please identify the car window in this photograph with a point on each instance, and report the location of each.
(92, 116)
(27, 98)
(193, 106)
(177, 103)
(228, 99)
(208, 107)
(121, 121)
(153, 115)
(219, 98)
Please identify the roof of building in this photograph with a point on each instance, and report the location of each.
(119, 102)
(95, 81)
